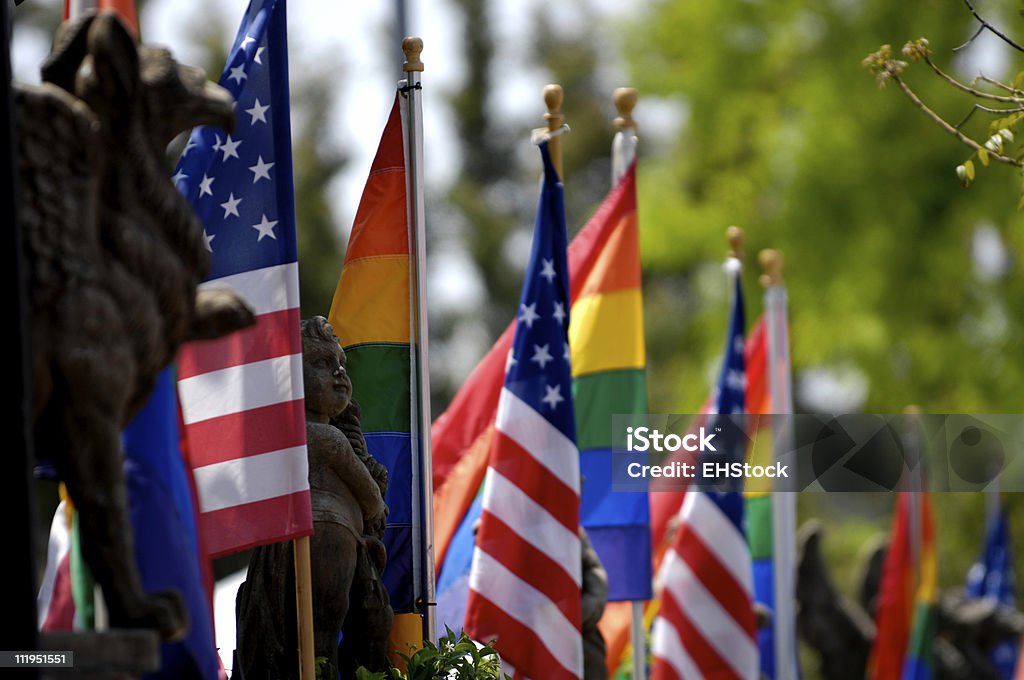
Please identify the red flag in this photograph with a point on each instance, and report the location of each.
(895, 599)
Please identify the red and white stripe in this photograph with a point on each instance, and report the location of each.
(55, 603)
(706, 626)
(245, 424)
(526, 573)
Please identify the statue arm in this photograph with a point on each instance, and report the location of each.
(342, 460)
(349, 423)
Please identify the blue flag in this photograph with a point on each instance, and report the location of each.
(162, 513)
(992, 577)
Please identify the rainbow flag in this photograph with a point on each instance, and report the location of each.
(918, 662)
(370, 314)
(606, 338)
(759, 540)
(905, 618)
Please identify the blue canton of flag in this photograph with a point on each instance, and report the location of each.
(538, 369)
(240, 184)
(727, 422)
(731, 392)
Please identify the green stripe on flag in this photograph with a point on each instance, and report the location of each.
(759, 527)
(918, 662)
(380, 383)
(598, 396)
(83, 586)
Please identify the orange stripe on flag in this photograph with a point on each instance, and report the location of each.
(607, 245)
(617, 265)
(380, 227)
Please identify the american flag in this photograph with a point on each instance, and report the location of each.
(525, 574)
(241, 396)
(706, 626)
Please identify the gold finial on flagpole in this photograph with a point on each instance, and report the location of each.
(771, 264)
(734, 235)
(625, 99)
(412, 47)
(553, 97)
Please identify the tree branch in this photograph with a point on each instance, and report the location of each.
(977, 93)
(971, 39)
(992, 81)
(986, 109)
(1009, 41)
(949, 128)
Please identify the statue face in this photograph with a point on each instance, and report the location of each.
(327, 385)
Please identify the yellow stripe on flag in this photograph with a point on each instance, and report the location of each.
(406, 637)
(372, 301)
(606, 332)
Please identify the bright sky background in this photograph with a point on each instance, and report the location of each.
(357, 39)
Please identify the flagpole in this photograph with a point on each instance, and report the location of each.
(912, 448)
(304, 607)
(783, 502)
(624, 143)
(623, 154)
(422, 487)
(553, 97)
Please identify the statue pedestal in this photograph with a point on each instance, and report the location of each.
(110, 655)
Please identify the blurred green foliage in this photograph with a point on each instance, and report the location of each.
(786, 135)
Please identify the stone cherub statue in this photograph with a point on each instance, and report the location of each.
(114, 255)
(347, 488)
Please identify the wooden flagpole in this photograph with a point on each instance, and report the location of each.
(553, 97)
(623, 154)
(304, 607)
(783, 502)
